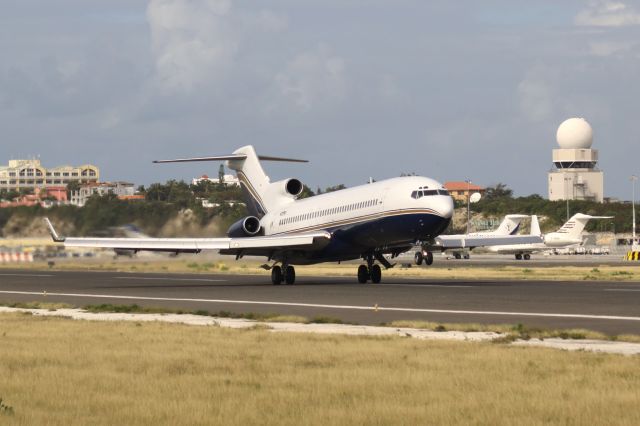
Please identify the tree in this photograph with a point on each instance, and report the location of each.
(335, 188)
(72, 186)
(306, 192)
(221, 174)
(498, 191)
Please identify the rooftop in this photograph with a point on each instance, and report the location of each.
(462, 186)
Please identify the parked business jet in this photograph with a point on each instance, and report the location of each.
(569, 234)
(459, 244)
(367, 221)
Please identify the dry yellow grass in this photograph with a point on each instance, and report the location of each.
(57, 371)
(192, 264)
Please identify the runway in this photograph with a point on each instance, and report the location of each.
(610, 307)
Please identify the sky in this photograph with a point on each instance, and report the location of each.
(361, 88)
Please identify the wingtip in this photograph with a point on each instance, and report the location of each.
(54, 235)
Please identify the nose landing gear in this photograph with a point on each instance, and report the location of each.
(423, 256)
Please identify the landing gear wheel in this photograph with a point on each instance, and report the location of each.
(466, 256)
(429, 259)
(290, 275)
(527, 256)
(376, 274)
(418, 258)
(457, 256)
(276, 275)
(363, 274)
(518, 256)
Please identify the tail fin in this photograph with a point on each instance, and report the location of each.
(535, 226)
(510, 224)
(577, 223)
(254, 182)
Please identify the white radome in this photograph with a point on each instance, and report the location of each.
(575, 133)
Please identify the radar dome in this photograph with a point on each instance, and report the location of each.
(575, 133)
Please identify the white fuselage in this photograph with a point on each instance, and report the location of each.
(361, 203)
(551, 241)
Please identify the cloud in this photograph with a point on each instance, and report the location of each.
(535, 97)
(312, 78)
(193, 42)
(608, 48)
(604, 13)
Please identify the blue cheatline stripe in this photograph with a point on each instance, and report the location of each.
(359, 219)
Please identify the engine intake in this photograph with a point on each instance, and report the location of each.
(293, 187)
(247, 227)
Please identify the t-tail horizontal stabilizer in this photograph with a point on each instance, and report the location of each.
(231, 158)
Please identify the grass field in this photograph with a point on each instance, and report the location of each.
(57, 371)
(605, 272)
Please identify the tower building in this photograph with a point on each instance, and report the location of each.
(574, 175)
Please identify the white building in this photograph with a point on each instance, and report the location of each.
(575, 175)
(30, 174)
(229, 180)
(120, 189)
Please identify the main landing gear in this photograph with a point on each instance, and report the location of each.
(426, 257)
(370, 271)
(286, 274)
(525, 256)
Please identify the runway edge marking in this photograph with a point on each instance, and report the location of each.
(314, 305)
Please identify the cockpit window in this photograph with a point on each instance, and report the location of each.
(427, 193)
(443, 192)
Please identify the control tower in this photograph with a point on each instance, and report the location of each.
(574, 175)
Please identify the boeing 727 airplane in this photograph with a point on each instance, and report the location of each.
(365, 222)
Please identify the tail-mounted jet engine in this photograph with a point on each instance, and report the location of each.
(293, 187)
(247, 227)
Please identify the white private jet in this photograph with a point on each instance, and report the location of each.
(506, 233)
(367, 221)
(569, 234)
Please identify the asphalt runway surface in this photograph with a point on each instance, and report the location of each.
(610, 307)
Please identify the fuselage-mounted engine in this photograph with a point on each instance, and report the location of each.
(247, 227)
(293, 187)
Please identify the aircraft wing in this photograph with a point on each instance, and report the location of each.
(195, 245)
(446, 242)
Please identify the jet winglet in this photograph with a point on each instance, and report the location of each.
(54, 235)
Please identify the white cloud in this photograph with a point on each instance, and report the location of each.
(312, 78)
(268, 21)
(192, 41)
(605, 13)
(536, 99)
(608, 48)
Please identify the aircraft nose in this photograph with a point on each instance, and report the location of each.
(446, 207)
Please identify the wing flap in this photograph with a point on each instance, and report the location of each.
(311, 240)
